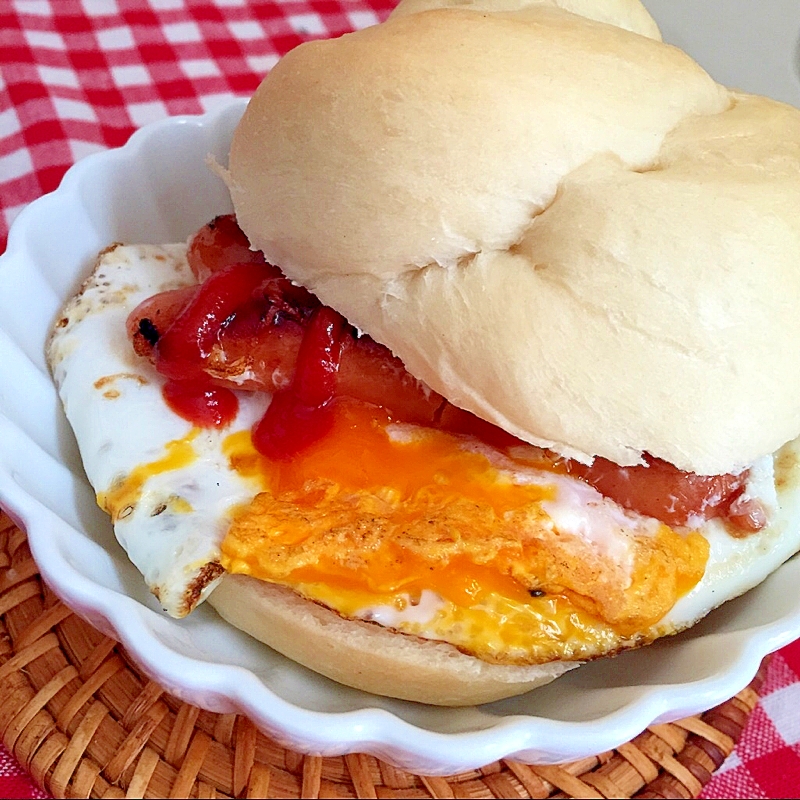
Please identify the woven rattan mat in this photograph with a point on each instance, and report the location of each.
(85, 722)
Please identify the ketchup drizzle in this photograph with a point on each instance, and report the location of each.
(201, 403)
(302, 413)
(181, 350)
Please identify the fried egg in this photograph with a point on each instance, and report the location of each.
(429, 533)
(166, 485)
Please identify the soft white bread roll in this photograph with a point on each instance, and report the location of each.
(628, 14)
(562, 225)
(365, 655)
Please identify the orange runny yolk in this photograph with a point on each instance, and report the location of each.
(360, 454)
(417, 493)
(414, 471)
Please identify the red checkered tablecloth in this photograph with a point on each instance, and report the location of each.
(78, 76)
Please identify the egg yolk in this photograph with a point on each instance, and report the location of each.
(120, 500)
(377, 516)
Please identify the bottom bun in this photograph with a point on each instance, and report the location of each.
(365, 655)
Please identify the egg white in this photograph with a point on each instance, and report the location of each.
(113, 401)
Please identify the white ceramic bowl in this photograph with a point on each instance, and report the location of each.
(157, 189)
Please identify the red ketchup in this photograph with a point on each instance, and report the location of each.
(302, 413)
(181, 352)
(201, 403)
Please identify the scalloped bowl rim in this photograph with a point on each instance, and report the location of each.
(227, 688)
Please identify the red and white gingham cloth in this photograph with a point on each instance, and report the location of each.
(76, 77)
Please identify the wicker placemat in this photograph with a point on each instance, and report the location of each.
(85, 722)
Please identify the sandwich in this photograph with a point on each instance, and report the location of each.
(495, 370)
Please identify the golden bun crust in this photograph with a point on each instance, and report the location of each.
(628, 14)
(562, 225)
(365, 655)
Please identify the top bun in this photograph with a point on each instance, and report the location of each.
(554, 219)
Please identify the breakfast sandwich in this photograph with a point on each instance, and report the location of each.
(494, 371)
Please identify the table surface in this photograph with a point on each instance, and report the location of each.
(77, 77)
